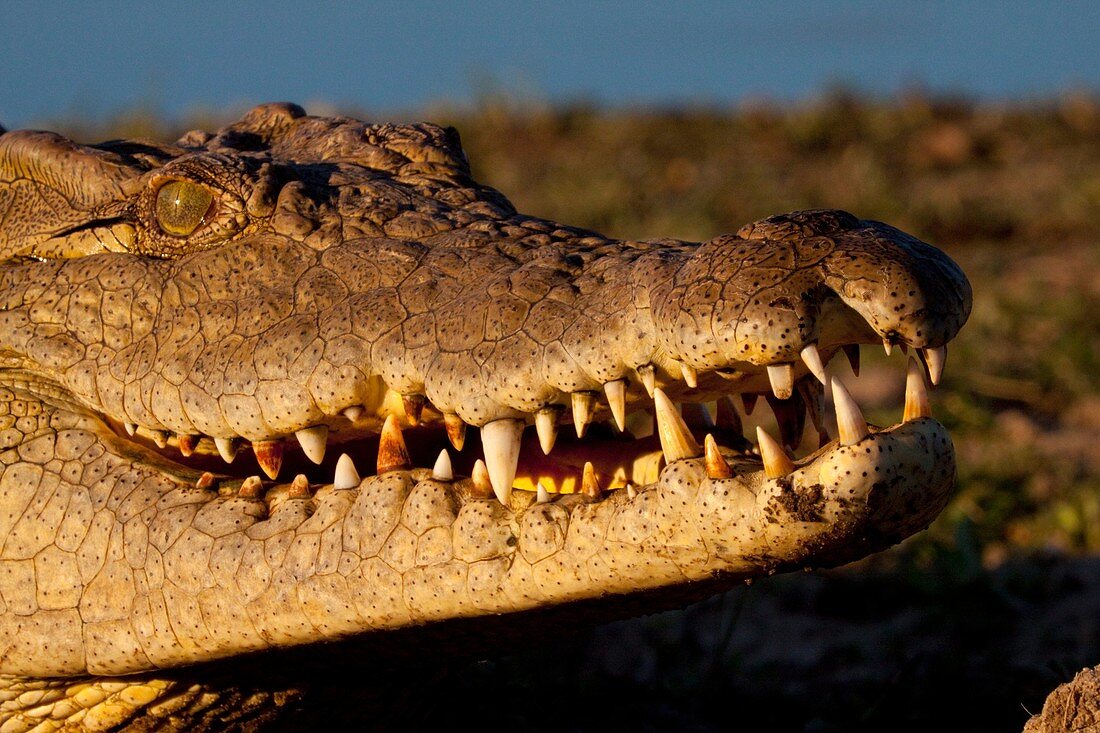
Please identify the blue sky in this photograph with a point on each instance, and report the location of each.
(97, 58)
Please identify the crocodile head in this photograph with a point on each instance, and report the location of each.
(238, 374)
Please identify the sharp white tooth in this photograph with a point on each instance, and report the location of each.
(346, 476)
(590, 485)
(917, 404)
(777, 463)
(582, 411)
(501, 440)
(299, 488)
(616, 400)
(269, 454)
(717, 466)
(546, 425)
(393, 454)
(648, 376)
(887, 347)
(935, 359)
(251, 488)
(677, 442)
(313, 441)
(812, 358)
(850, 425)
(160, 438)
(131, 428)
(442, 470)
(354, 412)
(631, 492)
(187, 443)
(456, 430)
(690, 375)
(542, 496)
(227, 448)
(479, 476)
(782, 378)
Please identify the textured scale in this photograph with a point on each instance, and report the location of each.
(341, 266)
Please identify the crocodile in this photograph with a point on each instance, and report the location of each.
(237, 374)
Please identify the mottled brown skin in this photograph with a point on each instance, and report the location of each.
(340, 261)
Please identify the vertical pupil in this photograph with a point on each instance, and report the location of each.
(181, 207)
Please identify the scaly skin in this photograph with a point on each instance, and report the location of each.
(342, 263)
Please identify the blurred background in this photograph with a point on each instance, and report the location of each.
(975, 126)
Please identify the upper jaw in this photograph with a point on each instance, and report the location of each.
(383, 328)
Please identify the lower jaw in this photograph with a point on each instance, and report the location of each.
(606, 456)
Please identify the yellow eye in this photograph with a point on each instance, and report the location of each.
(181, 207)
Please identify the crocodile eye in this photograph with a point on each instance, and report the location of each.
(182, 206)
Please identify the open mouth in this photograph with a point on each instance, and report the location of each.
(621, 442)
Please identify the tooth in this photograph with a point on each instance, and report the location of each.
(850, 425)
(727, 419)
(887, 347)
(812, 358)
(269, 454)
(501, 440)
(582, 411)
(414, 407)
(777, 463)
(639, 424)
(916, 393)
(590, 485)
(354, 412)
(616, 400)
(935, 359)
(542, 496)
(160, 437)
(717, 466)
(131, 428)
(631, 492)
(392, 453)
(187, 444)
(346, 476)
(227, 448)
(852, 352)
(677, 441)
(205, 481)
(648, 376)
(456, 430)
(748, 400)
(690, 375)
(782, 378)
(251, 488)
(546, 425)
(299, 488)
(313, 441)
(482, 486)
(442, 470)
